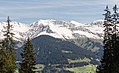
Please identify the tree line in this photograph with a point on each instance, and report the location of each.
(8, 53)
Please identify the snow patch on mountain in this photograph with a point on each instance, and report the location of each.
(19, 29)
(77, 23)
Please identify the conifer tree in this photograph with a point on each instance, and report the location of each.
(107, 60)
(110, 60)
(28, 58)
(8, 58)
(115, 39)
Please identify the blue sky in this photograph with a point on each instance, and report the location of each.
(28, 11)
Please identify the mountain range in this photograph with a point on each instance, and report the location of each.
(57, 29)
(56, 41)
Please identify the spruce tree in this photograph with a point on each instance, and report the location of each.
(8, 58)
(28, 58)
(107, 60)
(110, 60)
(115, 39)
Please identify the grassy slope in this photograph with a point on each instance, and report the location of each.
(84, 69)
(79, 60)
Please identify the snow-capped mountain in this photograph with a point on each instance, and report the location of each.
(66, 30)
(54, 28)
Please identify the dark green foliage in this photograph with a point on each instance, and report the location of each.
(8, 55)
(28, 58)
(110, 60)
(1, 60)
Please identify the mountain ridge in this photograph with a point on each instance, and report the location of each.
(57, 29)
